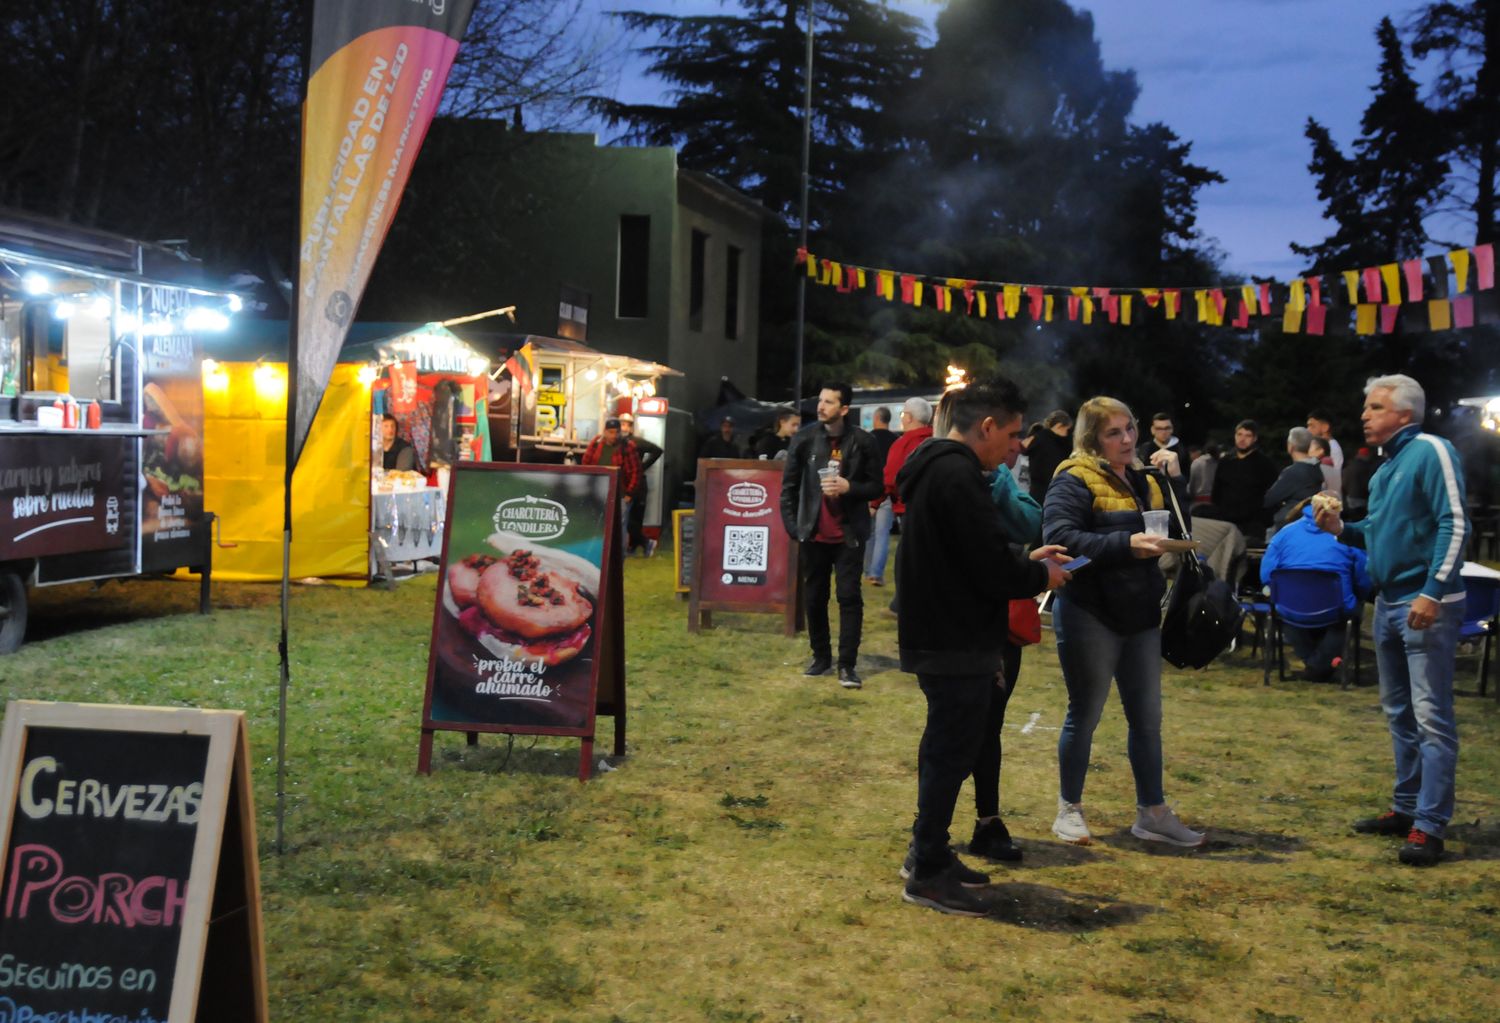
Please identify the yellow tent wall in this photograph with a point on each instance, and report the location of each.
(244, 438)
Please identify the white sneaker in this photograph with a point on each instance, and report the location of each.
(1160, 824)
(1069, 825)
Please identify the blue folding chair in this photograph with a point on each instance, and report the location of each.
(1481, 619)
(1312, 599)
(1258, 610)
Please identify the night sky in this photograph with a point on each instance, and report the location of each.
(1237, 78)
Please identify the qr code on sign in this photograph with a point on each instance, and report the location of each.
(745, 548)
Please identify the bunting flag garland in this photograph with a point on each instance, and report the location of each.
(1376, 294)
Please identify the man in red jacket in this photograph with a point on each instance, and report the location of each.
(609, 448)
(916, 426)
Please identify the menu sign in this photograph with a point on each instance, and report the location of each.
(61, 494)
(172, 457)
(129, 866)
(743, 559)
(527, 631)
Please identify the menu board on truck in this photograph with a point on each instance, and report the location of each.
(528, 628)
(130, 888)
(172, 520)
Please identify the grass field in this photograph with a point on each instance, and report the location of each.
(741, 862)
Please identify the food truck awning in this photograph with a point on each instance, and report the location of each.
(557, 346)
(432, 346)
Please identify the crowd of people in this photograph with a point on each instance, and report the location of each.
(976, 542)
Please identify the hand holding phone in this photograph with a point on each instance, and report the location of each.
(1076, 564)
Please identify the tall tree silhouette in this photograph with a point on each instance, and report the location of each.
(1465, 40)
(1379, 198)
(737, 98)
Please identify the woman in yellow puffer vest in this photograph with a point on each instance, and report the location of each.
(1108, 620)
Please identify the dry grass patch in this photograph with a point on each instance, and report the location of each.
(741, 863)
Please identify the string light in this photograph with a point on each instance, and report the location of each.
(957, 377)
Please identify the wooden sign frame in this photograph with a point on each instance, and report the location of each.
(220, 969)
(683, 524)
(607, 674)
(787, 602)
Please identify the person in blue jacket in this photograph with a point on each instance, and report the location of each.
(1303, 545)
(1415, 532)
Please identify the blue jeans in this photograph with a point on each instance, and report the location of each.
(1416, 692)
(1091, 653)
(879, 546)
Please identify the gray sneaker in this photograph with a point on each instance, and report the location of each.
(1160, 824)
(1069, 825)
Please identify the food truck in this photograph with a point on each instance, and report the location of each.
(553, 395)
(101, 410)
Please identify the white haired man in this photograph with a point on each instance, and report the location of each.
(1414, 532)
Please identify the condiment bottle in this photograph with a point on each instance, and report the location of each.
(96, 415)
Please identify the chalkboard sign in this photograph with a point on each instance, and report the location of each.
(528, 625)
(684, 527)
(130, 888)
(743, 559)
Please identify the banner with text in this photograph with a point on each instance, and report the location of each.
(376, 72)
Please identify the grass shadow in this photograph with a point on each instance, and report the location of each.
(1045, 854)
(496, 755)
(1223, 844)
(1042, 908)
(876, 664)
(1481, 840)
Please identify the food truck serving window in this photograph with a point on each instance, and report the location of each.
(59, 346)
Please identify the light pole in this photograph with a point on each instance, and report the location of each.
(802, 232)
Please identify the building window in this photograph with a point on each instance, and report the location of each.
(633, 278)
(695, 280)
(732, 294)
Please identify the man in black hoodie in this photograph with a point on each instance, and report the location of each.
(956, 577)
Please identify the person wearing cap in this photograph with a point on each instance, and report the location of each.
(723, 445)
(649, 453)
(610, 448)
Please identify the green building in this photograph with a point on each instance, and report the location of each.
(617, 246)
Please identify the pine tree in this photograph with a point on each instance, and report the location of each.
(1465, 37)
(1379, 198)
(736, 109)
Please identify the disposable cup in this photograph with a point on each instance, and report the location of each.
(1156, 522)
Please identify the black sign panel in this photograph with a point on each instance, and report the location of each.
(63, 493)
(96, 875)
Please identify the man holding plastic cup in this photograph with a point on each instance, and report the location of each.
(831, 475)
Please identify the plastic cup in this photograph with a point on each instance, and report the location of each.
(1157, 522)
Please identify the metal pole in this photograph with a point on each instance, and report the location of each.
(802, 233)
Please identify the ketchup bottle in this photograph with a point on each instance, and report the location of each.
(96, 415)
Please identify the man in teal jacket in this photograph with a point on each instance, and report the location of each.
(1415, 534)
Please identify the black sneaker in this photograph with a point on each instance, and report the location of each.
(1421, 849)
(944, 893)
(992, 841)
(964, 875)
(1389, 823)
(819, 666)
(848, 678)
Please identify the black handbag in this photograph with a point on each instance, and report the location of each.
(1201, 615)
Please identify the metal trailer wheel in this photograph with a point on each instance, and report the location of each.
(12, 611)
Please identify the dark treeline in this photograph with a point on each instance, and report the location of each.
(998, 147)
(1004, 149)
